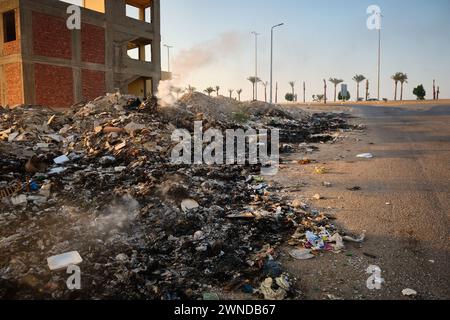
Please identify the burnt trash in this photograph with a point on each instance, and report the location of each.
(144, 227)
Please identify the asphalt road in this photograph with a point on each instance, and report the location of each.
(404, 204)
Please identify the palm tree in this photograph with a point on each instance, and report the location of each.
(434, 89)
(190, 89)
(319, 97)
(231, 93)
(335, 82)
(265, 84)
(239, 92)
(209, 90)
(178, 91)
(358, 78)
(217, 90)
(276, 92)
(292, 84)
(403, 79)
(304, 92)
(325, 91)
(254, 81)
(396, 77)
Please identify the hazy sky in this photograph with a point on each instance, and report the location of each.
(321, 39)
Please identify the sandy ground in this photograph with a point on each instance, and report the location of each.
(404, 204)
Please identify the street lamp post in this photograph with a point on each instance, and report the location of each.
(168, 56)
(379, 56)
(271, 60)
(256, 63)
(379, 61)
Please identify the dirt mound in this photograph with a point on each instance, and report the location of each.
(226, 110)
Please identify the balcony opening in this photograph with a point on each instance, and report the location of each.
(148, 15)
(9, 26)
(140, 49)
(139, 10)
(141, 88)
(95, 5)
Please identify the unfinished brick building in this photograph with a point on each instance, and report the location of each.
(42, 62)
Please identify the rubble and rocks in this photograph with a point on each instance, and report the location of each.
(282, 287)
(104, 188)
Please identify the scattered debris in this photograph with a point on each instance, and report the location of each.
(122, 257)
(19, 200)
(272, 268)
(365, 155)
(317, 197)
(189, 204)
(57, 170)
(316, 242)
(409, 292)
(301, 254)
(61, 159)
(321, 170)
(333, 297)
(247, 288)
(62, 261)
(304, 162)
(116, 196)
(339, 242)
(299, 204)
(208, 296)
(35, 165)
(10, 191)
(360, 239)
(280, 291)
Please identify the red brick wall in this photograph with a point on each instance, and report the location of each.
(13, 77)
(92, 43)
(51, 37)
(54, 85)
(13, 47)
(93, 83)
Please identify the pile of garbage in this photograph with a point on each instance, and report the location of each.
(296, 126)
(97, 180)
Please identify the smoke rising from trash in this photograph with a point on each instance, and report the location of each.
(190, 60)
(120, 214)
(207, 53)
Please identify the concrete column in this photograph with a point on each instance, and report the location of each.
(142, 14)
(156, 44)
(114, 11)
(26, 35)
(142, 52)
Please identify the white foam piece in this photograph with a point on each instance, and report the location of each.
(64, 260)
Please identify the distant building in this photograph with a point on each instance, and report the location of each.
(43, 62)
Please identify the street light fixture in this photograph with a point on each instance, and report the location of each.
(256, 63)
(271, 60)
(168, 56)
